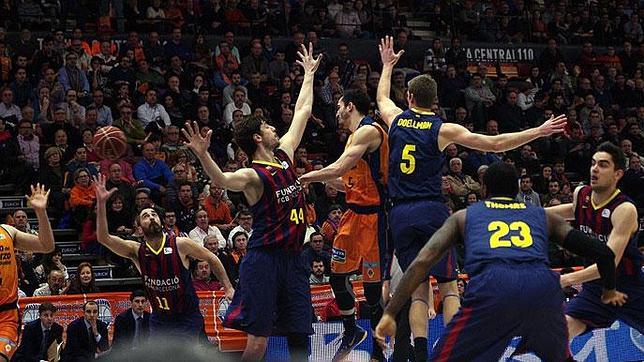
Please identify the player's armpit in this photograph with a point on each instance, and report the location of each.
(240, 180)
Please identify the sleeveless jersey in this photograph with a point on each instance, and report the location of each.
(168, 284)
(279, 216)
(8, 269)
(365, 183)
(502, 230)
(595, 221)
(415, 162)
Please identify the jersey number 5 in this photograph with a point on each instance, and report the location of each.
(501, 229)
(408, 163)
(297, 216)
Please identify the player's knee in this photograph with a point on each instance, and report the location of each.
(575, 327)
(342, 290)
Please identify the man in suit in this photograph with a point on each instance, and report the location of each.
(87, 337)
(131, 328)
(39, 335)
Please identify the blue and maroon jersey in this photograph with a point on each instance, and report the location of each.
(595, 221)
(168, 284)
(501, 230)
(279, 218)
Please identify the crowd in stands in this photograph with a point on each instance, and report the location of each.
(55, 96)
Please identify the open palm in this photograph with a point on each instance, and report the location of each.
(307, 60)
(387, 54)
(196, 142)
(102, 194)
(38, 198)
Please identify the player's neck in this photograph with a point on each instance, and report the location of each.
(153, 241)
(418, 109)
(354, 123)
(599, 197)
(263, 154)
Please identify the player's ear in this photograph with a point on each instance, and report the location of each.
(257, 138)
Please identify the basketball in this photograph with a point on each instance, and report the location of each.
(110, 143)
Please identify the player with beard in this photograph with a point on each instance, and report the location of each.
(273, 296)
(163, 260)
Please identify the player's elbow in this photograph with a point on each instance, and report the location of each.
(49, 248)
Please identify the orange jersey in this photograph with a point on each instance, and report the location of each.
(366, 183)
(8, 269)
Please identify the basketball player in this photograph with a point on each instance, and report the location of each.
(417, 138)
(361, 242)
(163, 260)
(512, 291)
(273, 295)
(601, 211)
(10, 240)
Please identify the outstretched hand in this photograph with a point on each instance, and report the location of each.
(102, 194)
(196, 142)
(386, 328)
(554, 125)
(39, 196)
(307, 60)
(614, 297)
(387, 54)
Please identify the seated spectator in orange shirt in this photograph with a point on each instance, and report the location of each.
(82, 196)
(226, 57)
(218, 210)
(330, 226)
(201, 279)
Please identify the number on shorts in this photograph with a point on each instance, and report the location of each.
(408, 163)
(163, 303)
(500, 229)
(297, 216)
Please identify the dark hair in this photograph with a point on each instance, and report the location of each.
(424, 90)
(315, 233)
(360, 100)
(48, 264)
(89, 302)
(500, 179)
(616, 153)
(137, 293)
(245, 132)
(47, 307)
(235, 235)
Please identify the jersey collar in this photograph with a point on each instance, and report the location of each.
(267, 163)
(603, 204)
(158, 251)
(425, 113)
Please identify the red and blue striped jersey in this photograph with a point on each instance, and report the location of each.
(168, 284)
(279, 218)
(595, 221)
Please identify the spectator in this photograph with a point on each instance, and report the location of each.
(236, 80)
(526, 194)
(318, 272)
(71, 77)
(245, 220)
(460, 183)
(218, 209)
(552, 194)
(478, 99)
(52, 176)
(132, 327)
(315, 250)
(38, 336)
(55, 284)
(330, 225)
(119, 217)
(82, 197)
(238, 103)
(9, 111)
(80, 161)
(240, 242)
(254, 62)
(84, 282)
(509, 114)
(154, 174)
(203, 229)
(170, 222)
(87, 337)
(186, 208)
(152, 115)
(201, 277)
(347, 21)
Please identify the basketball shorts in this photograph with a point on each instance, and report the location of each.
(182, 326)
(273, 296)
(9, 327)
(412, 225)
(504, 301)
(361, 244)
(588, 307)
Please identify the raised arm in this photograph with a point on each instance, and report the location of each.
(577, 242)
(188, 248)
(124, 248)
(304, 104)
(388, 109)
(435, 248)
(44, 241)
(364, 140)
(239, 180)
(624, 219)
(455, 133)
